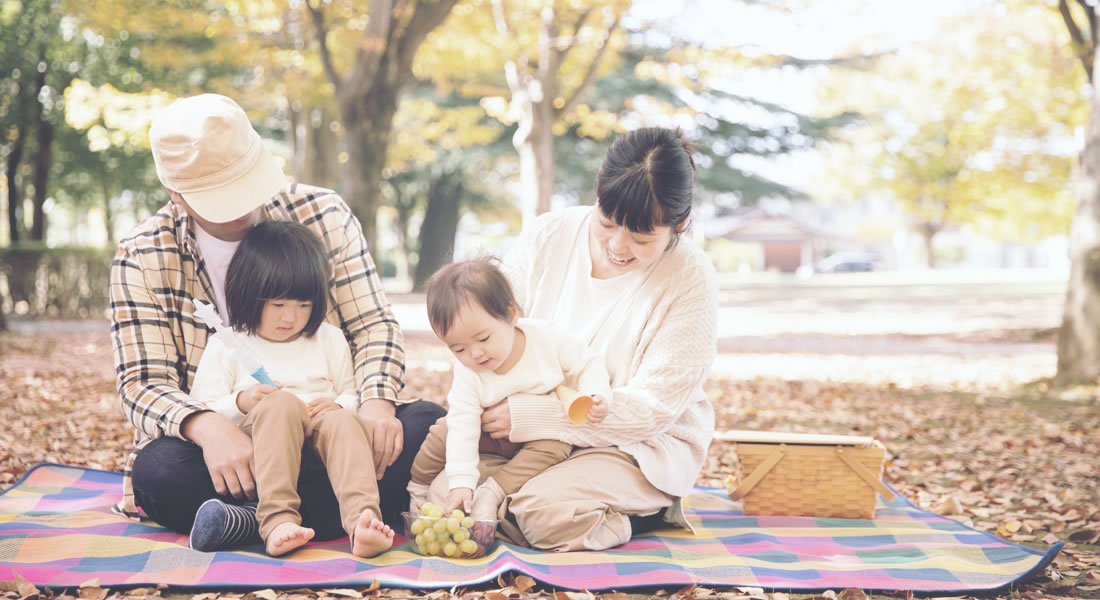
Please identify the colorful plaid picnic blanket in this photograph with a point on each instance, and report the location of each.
(57, 530)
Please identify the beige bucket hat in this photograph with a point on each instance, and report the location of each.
(206, 149)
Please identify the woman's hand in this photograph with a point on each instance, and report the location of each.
(459, 498)
(497, 420)
(321, 406)
(250, 397)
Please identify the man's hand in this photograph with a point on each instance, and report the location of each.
(248, 398)
(321, 406)
(227, 452)
(386, 434)
(497, 420)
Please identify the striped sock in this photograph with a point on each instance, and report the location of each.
(220, 526)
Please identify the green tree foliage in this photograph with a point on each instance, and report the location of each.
(533, 62)
(687, 86)
(965, 132)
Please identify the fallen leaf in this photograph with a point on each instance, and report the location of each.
(950, 507)
(343, 592)
(573, 596)
(266, 594)
(25, 588)
(685, 592)
(1084, 536)
(1007, 528)
(524, 583)
(852, 594)
(88, 592)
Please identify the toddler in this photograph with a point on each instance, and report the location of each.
(276, 292)
(472, 309)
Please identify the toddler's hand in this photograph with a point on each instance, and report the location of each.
(250, 397)
(598, 411)
(459, 498)
(321, 406)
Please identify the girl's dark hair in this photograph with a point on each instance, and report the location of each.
(276, 260)
(645, 180)
(456, 285)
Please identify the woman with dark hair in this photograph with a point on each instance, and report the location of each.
(276, 290)
(620, 279)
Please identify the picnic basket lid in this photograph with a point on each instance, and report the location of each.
(774, 437)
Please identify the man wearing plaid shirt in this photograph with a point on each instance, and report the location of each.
(222, 181)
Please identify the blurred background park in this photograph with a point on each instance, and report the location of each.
(929, 142)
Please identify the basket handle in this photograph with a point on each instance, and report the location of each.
(759, 472)
(866, 475)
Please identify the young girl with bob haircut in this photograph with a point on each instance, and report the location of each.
(276, 293)
(620, 278)
(472, 310)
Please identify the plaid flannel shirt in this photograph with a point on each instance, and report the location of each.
(158, 341)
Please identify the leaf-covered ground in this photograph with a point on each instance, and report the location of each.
(953, 379)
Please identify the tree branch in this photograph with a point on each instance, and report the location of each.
(589, 75)
(548, 32)
(326, 56)
(564, 51)
(500, 18)
(1090, 12)
(427, 16)
(375, 40)
(516, 69)
(1080, 45)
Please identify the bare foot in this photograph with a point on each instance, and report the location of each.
(372, 536)
(286, 537)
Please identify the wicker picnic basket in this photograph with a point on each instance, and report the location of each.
(807, 474)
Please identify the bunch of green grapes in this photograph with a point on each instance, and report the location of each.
(449, 536)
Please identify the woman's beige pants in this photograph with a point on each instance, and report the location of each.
(582, 503)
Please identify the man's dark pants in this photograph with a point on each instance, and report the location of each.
(171, 480)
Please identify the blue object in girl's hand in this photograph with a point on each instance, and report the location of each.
(262, 376)
(234, 340)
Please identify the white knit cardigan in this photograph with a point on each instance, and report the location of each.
(657, 331)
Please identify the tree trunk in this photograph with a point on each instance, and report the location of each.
(928, 231)
(534, 142)
(404, 246)
(15, 201)
(1079, 335)
(43, 160)
(437, 233)
(108, 214)
(324, 164)
(534, 138)
(369, 120)
(315, 147)
(367, 97)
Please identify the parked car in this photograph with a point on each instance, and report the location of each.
(847, 262)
